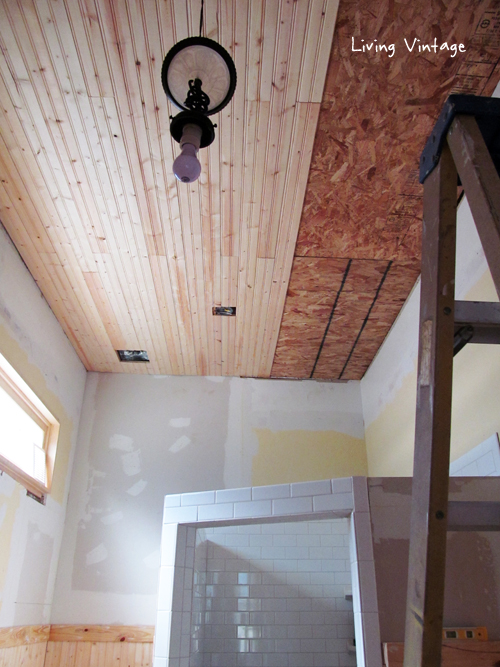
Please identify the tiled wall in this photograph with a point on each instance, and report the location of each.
(274, 596)
(315, 501)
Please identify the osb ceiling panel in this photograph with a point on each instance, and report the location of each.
(363, 205)
(126, 256)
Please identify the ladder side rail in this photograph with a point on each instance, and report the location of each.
(425, 598)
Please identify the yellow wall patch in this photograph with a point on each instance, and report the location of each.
(301, 456)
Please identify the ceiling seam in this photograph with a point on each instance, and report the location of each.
(366, 318)
(344, 278)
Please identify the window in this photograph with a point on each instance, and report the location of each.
(28, 433)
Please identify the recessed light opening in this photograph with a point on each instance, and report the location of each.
(227, 311)
(132, 355)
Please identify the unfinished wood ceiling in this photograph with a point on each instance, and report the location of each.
(128, 258)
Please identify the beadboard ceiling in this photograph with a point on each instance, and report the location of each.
(307, 214)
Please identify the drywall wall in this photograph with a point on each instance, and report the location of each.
(389, 387)
(472, 585)
(33, 342)
(143, 437)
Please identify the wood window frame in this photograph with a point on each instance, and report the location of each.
(26, 398)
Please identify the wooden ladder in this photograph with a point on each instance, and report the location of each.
(465, 139)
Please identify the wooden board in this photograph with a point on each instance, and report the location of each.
(455, 653)
(101, 633)
(101, 653)
(23, 634)
(28, 655)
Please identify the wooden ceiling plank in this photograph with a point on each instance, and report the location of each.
(225, 330)
(132, 164)
(246, 296)
(83, 19)
(255, 39)
(13, 181)
(113, 288)
(41, 121)
(272, 9)
(263, 282)
(254, 159)
(318, 44)
(112, 155)
(306, 123)
(59, 86)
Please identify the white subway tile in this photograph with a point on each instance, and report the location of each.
(233, 495)
(261, 540)
(371, 639)
(165, 588)
(198, 498)
(316, 645)
(262, 617)
(297, 552)
(339, 502)
(361, 545)
(320, 487)
(252, 509)
(332, 541)
(308, 540)
(274, 631)
(367, 585)
(273, 552)
(321, 552)
(261, 645)
(180, 514)
(271, 492)
(293, 505)
(326, 660)
(296, 528)
(312, 617)
(299, 604)
(237, 540)
(285, 565)
(275, 660)
(160, 662)
(162, 634)
(292, 646)
(168, 544)
(250, 604)
(250, 660)
(321, 527)
(274, 528)
(274, 604)
(173, 500)
(342, 485)
(360, 493)
(299, 631)
(302, 660)
(286, 591)
(284, 540)
(288, 618)
(211, 512)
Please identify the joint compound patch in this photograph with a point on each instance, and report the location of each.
(122, 442)
(137, 488)
(112, 518)
(179, 444)
(131, 463)
(180, 422)
(97, 555)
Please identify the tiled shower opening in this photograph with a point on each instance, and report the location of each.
(273, 595)
(181, 642)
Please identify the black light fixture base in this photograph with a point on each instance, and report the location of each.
(195, 118)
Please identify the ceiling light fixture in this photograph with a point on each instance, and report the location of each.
(198, 76)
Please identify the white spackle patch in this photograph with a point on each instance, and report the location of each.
(215, 378)
(153, 560)
(131, 463)
(97, 555)
(112, 518)
(179, 444)
(122, 442)
(137, 488)
(180, 422)
(3, 512)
